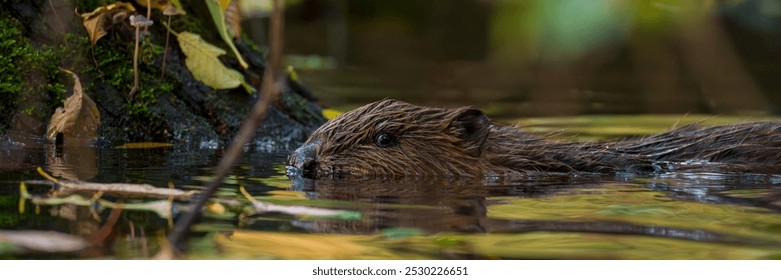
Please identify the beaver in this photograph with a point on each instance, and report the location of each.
(392, 138)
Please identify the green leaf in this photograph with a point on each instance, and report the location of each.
(218, 16)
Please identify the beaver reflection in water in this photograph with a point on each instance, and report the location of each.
(394, 138)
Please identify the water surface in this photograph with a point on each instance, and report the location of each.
(670, 215)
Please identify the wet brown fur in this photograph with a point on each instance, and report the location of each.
(463, 142)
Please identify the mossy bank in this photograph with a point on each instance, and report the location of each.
(170, 104)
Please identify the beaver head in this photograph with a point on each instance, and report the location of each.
(394, 138)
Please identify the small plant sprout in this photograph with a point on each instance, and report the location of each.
(137, 21)
(169, 11)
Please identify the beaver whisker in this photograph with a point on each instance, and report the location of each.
(462, 142)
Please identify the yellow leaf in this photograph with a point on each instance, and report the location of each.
(216, 208)
(99, 21)
(76, 122)
(224, 4)
(331, 113)
(260, 244)
(203, 63)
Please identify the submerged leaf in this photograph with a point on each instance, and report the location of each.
(99, 21)
(78, 120)
(203, 63)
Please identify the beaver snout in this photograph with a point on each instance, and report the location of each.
(303, 161)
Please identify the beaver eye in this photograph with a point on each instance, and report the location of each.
(384, 140)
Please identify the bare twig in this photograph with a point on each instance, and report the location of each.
(117, 189)
(106, 229)
(268, 95)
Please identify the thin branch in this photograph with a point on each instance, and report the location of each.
(268, 95)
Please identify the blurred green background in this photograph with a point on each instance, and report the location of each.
(539, 57)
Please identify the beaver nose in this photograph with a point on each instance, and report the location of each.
(304, 160)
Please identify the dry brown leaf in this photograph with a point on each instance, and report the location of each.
(99, 21)
(233, 20)
(77, 122)
(203, 62)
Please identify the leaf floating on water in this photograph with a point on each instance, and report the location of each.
(144, 145)
(78, 120)
(203, 63)
(300, 210)
(43, 241)
(99, 21)
(254, 244)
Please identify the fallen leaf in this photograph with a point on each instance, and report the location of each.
(43, 241)
(299, 210)
(203, 62)
(99, 21)
(217, 10)
(76, 122)
(246, 244)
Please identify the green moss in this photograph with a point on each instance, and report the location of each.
(24, 70)
(113, 67)
(13, 49)
(149, 51)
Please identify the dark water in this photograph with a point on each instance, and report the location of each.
(622, 216)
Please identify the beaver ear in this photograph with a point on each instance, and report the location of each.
(472, 127)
